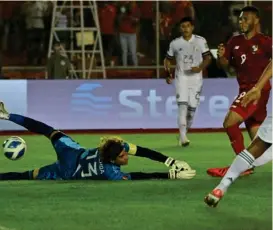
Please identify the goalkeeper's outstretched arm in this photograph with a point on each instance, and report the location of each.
(139, 151)
(111, 147)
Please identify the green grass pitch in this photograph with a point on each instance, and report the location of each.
(139, 205)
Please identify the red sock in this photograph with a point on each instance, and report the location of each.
(236, 138)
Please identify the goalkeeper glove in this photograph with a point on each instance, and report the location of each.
(182, 175)
(177, 165)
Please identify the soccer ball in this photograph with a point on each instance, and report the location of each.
(14, 148)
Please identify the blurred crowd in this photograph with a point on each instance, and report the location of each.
(128, 28)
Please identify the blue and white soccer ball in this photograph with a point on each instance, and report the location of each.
(14, 148)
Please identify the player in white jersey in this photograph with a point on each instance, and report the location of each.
(192, 56)
(261, 145)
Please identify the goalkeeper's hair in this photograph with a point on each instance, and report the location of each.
(110, 148)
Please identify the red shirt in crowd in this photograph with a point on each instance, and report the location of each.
(128, 22)
(147, 10)
(107, 17)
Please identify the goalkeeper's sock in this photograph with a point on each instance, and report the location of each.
(236, 138)
(31, 124)
(182, 120)
(242, 162)
(190, 116)
(265, 158)
(15, 176)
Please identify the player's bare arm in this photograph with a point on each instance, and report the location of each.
(221, 60)
(255, 93)
(267, 74)
(167, 67)
(167, 64)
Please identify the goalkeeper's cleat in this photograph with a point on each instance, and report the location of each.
(213, 198)
(221, 172)
(3, 112)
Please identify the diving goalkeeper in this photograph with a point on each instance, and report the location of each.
(75, 162)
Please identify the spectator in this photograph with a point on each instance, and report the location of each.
(234, 13)
(128, 18)
(165, 28)
(58, 65)
(7, 21)
(181, 9)
(107, 18)
(62, 22)
(34, 13)
(147, 28)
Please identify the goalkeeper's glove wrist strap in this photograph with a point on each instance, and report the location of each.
(169, 162)
(172, 174)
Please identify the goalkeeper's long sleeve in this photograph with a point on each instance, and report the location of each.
(151, 154)
(148, 176)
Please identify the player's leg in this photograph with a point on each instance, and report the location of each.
(234, 118)
(182, 104)
(182, 123)
(194, 100)
(48, 172)
(254, 122)
(67, 149)
(29, 123)
(231, 124)
(243, 161)
(252, 130)
(16, 176)
(132, 43)
(124, 48)
(68, 152)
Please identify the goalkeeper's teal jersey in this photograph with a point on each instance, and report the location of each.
(87, 167)
(78, 163)
(91, 168)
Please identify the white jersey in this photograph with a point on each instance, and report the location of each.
(188, 54)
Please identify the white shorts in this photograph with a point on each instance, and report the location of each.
(188, 91)
(265, 130)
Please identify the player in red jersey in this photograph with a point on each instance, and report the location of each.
(261, 144)
(248, 53)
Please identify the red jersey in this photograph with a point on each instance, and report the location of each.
(107, 17)
(249, 57)
(128, 23)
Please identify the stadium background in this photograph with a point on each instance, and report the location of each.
(131, 100)
(140, 103)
